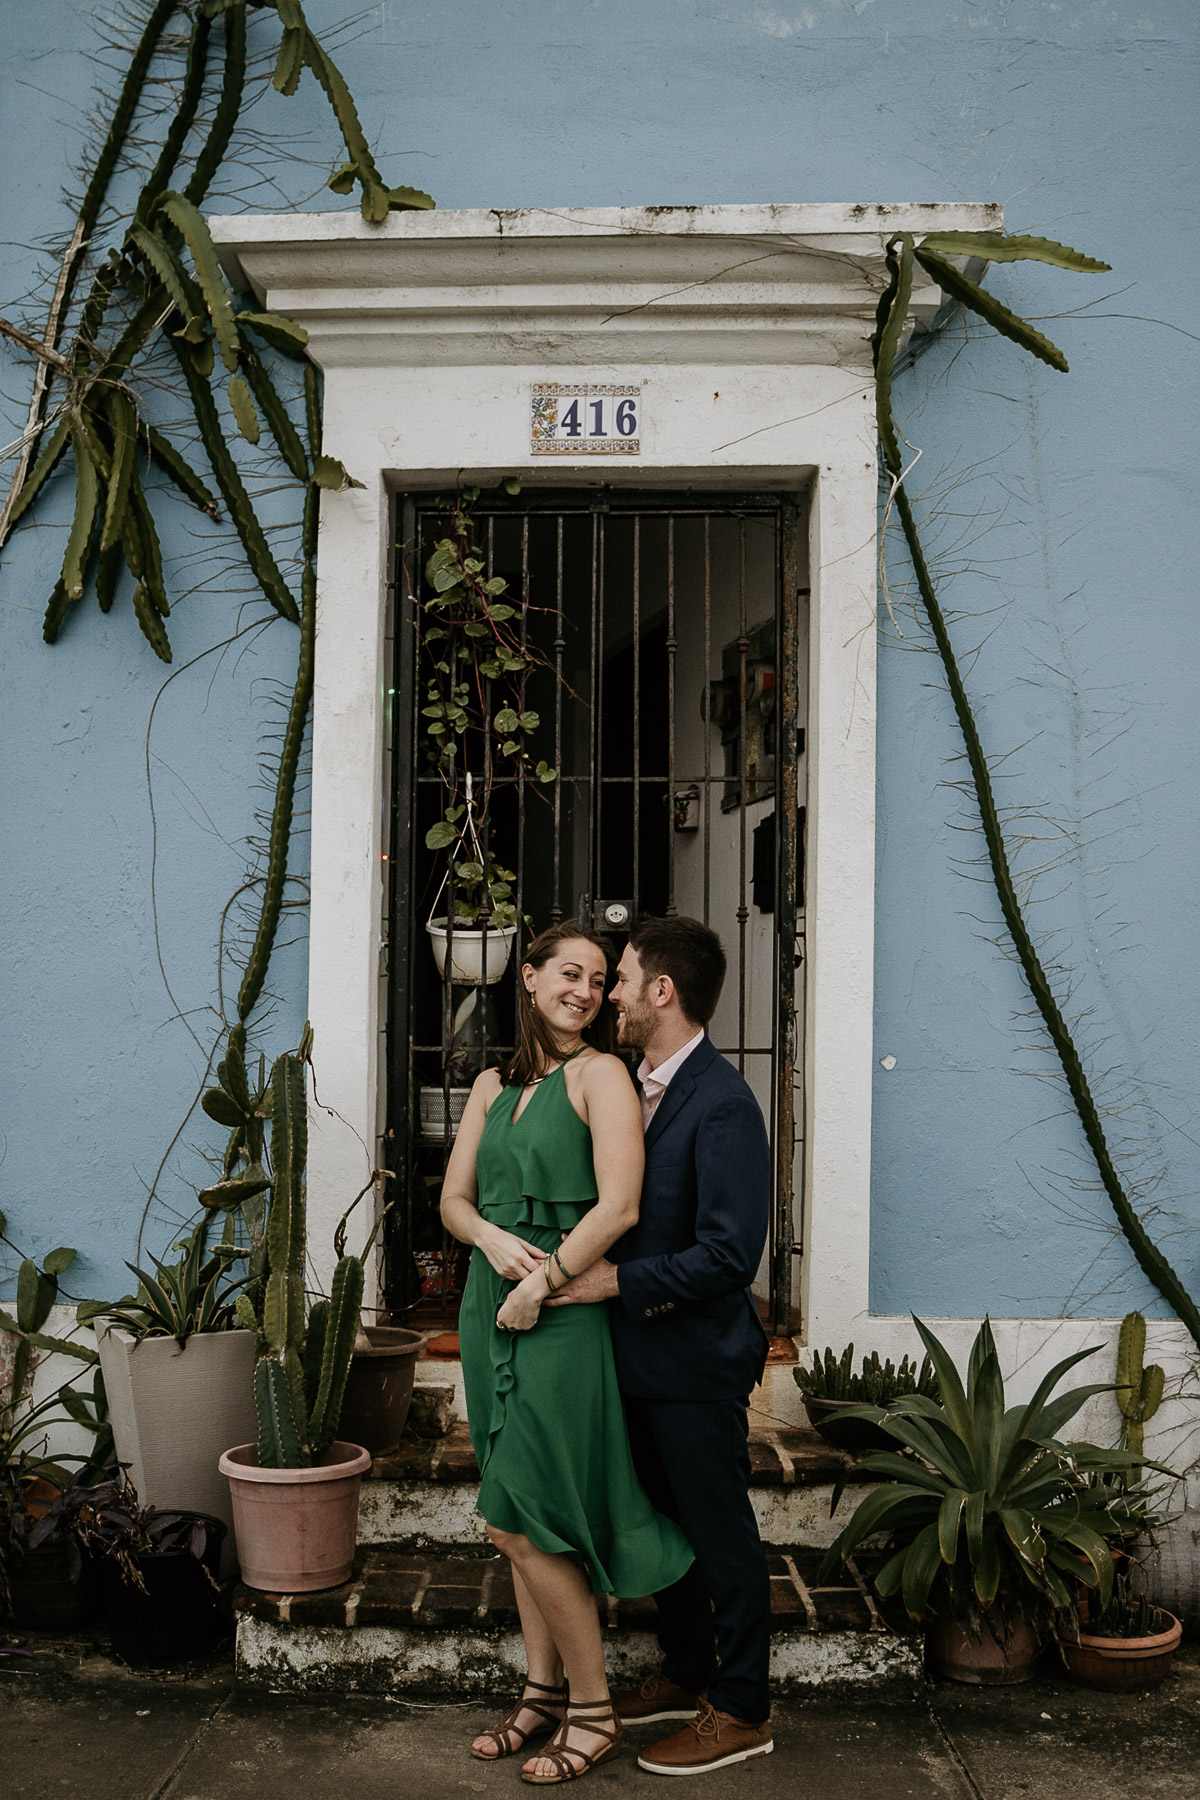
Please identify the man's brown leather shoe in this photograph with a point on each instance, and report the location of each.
(656, 1699)
(712, 1740)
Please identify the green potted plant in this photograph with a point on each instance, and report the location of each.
(830, 1390)
(157, 1569)
(1129, 1643)
(993, 1520)
(43, 1578)
(177, 1364)
(295, 1489)
(476, 663)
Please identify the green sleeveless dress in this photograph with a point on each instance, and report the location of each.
(543, 1406)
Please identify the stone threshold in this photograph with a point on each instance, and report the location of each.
(777, 1459)
(434, 1592)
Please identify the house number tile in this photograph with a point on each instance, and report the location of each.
(585, 419)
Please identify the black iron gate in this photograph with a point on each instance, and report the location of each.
(667, 688)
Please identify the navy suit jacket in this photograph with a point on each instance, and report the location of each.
(686, 1326)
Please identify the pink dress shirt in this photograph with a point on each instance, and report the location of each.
(654, 1082)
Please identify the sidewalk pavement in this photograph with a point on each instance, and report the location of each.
(74, 1725)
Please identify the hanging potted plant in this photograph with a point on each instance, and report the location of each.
(295, 1489)
(177, 1365)
(994, 1522)
(477, 661)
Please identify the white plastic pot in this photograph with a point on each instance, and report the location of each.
(467, 955)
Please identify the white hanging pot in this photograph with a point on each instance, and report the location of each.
(467, 957)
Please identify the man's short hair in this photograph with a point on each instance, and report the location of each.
(690, 953)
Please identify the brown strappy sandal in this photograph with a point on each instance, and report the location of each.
(559, 1752)
(503, 1734)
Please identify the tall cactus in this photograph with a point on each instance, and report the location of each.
(1139, 1389)
(300, 1375)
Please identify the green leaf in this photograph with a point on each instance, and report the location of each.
(123, 420)
(172, 464)
(289, 64)
(922, 1564)
(58, 1260)
(42, 470)
(283, 334)
(35, 1296)
(186, 296)
(342, 180)
(220, 1107)
(186, 219)
(87, 497)
(407, 199)
(225, 1195)
(328, 472)
(888, 334)
(991, 248)
(511, 485)
(440, 836)
(243, 408)
(949, 1519)
(992, 310)
(149, 619)
(506, 720)
(987, 1567)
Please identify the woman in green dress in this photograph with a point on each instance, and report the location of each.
(546, 1174)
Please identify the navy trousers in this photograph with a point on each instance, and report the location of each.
(693, 1460)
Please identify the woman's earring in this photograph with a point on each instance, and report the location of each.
(532, 998)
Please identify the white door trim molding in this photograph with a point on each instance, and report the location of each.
(748, 329)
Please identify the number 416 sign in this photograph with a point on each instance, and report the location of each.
(585, 419)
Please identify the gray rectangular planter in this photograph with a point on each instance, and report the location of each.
(175, 1411)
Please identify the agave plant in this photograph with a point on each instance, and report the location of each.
(984, 1504)
(196, 1293)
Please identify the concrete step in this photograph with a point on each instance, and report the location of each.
(425, 1495)
(418, 1624)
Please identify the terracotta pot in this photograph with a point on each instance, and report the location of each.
(848, 1434)
(1122, 1664)
(296, 1528)
(379, 1389)
(989, 1660)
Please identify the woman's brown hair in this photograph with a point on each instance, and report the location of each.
(536, 1043)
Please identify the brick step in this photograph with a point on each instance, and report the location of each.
(414, 1623)
(425, 1494)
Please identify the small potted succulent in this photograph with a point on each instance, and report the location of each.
(830, 1390)
(994, 1521)
(1129, 1643)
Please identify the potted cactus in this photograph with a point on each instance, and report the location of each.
(294, 1491)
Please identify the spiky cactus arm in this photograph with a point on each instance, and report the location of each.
(1139, 1389)
(341, 1328)
(892, 313)
(283, 1305)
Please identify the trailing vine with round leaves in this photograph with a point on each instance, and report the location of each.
(478, 661)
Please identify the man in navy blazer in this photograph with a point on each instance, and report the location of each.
(689, 1346)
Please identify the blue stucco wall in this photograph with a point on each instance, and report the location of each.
(1062, 512)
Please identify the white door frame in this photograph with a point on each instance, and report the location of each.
(748, 329)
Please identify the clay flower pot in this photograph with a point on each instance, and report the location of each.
(1122, 1664)
(379, 1388)
(296, 1528)
(992, 1659)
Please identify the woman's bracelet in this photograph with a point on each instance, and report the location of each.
(546, 1273)
(563, 1270)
